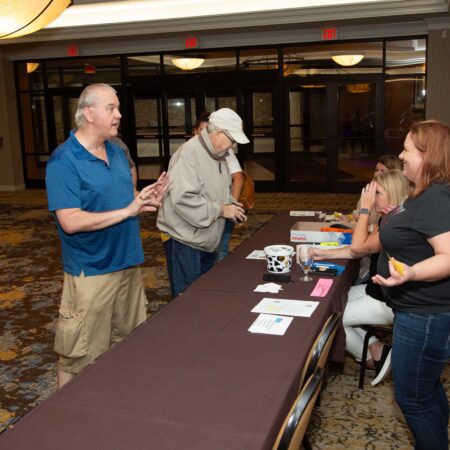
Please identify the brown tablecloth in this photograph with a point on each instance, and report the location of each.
(236, 274)
(190, 377)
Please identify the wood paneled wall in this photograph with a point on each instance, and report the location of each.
(438, 85)
(11, 172)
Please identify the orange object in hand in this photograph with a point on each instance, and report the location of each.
(398, 266)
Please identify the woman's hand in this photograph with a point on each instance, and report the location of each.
(319, 254)
(396, 278)
(368, 194)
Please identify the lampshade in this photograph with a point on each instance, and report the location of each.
(20, 17)
(32, 66)
(188, 63)
(347, 60)
(358, 88)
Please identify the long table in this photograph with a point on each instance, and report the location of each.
(192, 376)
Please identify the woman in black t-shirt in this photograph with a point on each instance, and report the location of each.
(414, 272)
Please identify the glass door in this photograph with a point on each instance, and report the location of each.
(149, 136)
(259, 156)
(307, 162)
(64, 107)
(163, 122)
(181, 115)
(215, 101)
(333, 135)
(356, 143)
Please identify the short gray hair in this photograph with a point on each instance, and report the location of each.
(88, 98)
(210, 128)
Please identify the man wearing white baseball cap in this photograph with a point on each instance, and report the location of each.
(230, 123)
(198, 200)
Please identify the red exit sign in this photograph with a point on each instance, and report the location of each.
(329, 34)
(72, 50)
(191, 42)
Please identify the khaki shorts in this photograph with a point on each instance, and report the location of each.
(95, 312)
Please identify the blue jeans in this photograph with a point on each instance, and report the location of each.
(185, 264)
(419, 354)
(222, 250)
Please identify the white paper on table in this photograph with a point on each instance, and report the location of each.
(256, 254)
(273, 288)
(304, 213)
(298, 308)
(270, 324)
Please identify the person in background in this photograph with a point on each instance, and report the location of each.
(388, 162)
(131, 164)
(90, 191)
(237, 180)
(414, 272)
(365, 305)
(198, 200)
(201, 122)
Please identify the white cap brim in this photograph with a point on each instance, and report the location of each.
(239, 136)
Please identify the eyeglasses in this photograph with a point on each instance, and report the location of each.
(233, 142)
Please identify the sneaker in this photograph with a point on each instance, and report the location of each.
(382, 366)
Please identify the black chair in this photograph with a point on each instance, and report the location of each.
(292, 432)
(318, 356)
(378, 331)
(320, 350)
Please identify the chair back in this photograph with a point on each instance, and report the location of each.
(294, 426)
(318, 355)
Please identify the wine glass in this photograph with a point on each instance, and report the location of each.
(305, 258)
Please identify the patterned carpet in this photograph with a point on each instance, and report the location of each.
(30, 289)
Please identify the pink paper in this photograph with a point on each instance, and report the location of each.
(322, 287)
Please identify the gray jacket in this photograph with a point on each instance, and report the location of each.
(200, 183)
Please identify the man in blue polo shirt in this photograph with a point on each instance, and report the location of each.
(90, 190)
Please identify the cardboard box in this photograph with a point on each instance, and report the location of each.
(309, 232)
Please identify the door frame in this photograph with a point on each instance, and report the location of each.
(247, 115)
(332, 82)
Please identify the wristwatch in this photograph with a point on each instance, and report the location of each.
(363, 211)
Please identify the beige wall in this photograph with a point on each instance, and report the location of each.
(438, 86)
(11, 172)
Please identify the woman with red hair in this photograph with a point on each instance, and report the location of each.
(414, 272)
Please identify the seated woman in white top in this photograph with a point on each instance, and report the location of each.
(365, 304)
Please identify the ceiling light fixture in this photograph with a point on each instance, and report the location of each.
(32, 66)
(20, 17)
(188, 63)
(359, 88)
(347, 60)
(313, 86)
